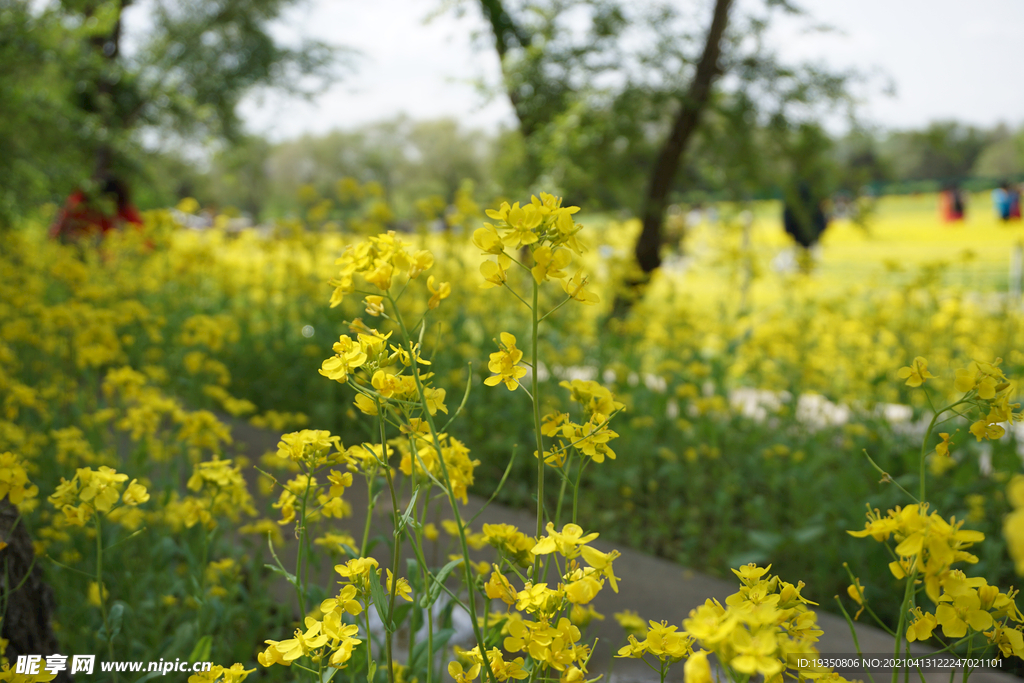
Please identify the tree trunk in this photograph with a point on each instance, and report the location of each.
(506, 32)
(30, 603)
(694, 102)
(109, 48)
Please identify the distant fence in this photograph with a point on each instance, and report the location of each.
(971, 184)
(875, 188)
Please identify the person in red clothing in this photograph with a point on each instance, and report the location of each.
(952, 203)
(84, 217)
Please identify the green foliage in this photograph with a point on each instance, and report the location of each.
(1003, 156)
(409, 161)
(39, 124)
(595, 85)
(79, 96)
(943, 150)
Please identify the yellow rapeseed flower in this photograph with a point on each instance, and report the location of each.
(567, 541)
(916, 373)
(504, 363)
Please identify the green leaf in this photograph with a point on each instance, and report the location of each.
(286, 574)
(407, 517)
(765, 540)
(328, 675)
(808, 534)
(435, 588)
(371, 670)
(201, 652)
(419, 651)
(380, 601)
(412, 571)
(401, 612)
(115, 618)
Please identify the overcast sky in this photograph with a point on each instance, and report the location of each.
(947, 59)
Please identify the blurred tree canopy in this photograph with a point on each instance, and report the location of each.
(733, 157)
(84, 96)
(38, 117)
(1003, 155)
(622, 106)
(945, 149)
(611, 97)
(410, 160)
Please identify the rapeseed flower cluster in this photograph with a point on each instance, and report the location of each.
(759, 631)
(536, 623)
(591, 438)
(329, 640)
(420, 459)
(971, 605)
(95, 491)
(14, 482)
(378, 260)
(236, 673)
(927, 545)
(222, 491)
(548, 231)
(382, 379)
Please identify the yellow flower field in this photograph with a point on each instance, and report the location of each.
(428, 367)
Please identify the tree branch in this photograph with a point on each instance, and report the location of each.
(502, 26)
(694, 102)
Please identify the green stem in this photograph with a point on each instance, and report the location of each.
(970, 651)
(853, 580)
(396, 555)
(561, 495)
(853, 633)
(202, 567)
(924, 453)
(900, 628)
(497, 490)
(516, 294)
(421, 517)
(369, 649)
(535, 384)
(300, 586)
(564, 302)
(449, 490)
(927, 438)
(100, 591)
(369, 512)
(576, 490)
(887, 478)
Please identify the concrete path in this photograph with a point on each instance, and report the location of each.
(655, 588)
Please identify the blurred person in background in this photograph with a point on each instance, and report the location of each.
(952, 203)
(803, 217)
(89, 217)
(1001, 201)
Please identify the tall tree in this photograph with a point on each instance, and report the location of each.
(691, 108)
(630, 89)
(175, 72)
(543, 67)
(38, 117)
